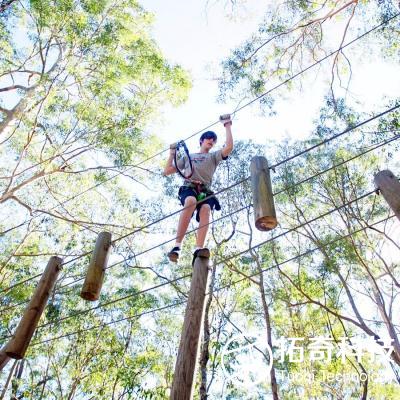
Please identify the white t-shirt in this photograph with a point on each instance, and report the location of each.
(204, 166)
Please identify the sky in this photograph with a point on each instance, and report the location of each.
(198, 35)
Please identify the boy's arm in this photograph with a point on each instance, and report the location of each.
(228, 147)
(169, 167)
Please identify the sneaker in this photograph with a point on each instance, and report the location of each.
(173, 255)
(204, 252)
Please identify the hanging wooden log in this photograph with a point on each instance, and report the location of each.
(17, 346)
(387, 184)
(95, 274)
(263, 199)
(182, 385)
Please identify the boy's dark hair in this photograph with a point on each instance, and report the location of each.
(208, 135)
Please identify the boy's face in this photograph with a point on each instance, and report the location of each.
(207, 144)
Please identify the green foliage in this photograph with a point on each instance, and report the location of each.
(295, 34)
(312, 274)
(109, 81)
(95, 79)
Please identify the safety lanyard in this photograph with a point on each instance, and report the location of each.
(182, 144)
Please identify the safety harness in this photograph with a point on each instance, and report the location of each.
(201, 190)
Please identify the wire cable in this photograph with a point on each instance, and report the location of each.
(383, 23)
(214, 123)
(175, 304)
(295, 257)
(218, 262)
(323, 142)
(129, 296)
(285, 189)
(395, 137)
(111, 322)
(320, 60)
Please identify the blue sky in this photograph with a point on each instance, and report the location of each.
(199, 35)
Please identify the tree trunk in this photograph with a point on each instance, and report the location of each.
(4, 358)
(6, 4)
(10, 375)
(274, 385)
(15, 383)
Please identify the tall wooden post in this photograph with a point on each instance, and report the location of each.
(389, 186)
(263, 199)
(182, 385)
(95, 274)
(17, 346)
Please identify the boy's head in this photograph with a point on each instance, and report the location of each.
(208, 135)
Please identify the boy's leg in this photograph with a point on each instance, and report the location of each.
(204, 219)
(184, 219)
(204, 215)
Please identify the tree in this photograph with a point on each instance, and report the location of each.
(80, 81)
(317, 278)
(89, 80)
(320, 273)
(296, 34)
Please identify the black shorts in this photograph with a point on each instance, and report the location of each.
(186, 191)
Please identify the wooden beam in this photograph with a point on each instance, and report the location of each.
(263, 199)
(95, 274)
(183, 383)
(387, 184)
(19, 343)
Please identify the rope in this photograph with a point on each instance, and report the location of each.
(238, 109)
(218, 262)
(241, 181)
(175, 304)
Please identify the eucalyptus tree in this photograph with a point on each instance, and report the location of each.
(294, 35)
(79, 78)
(80, 83)
(329, 270)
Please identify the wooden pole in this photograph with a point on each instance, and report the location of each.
(389, 186)
(17, 346)
(263, 199)
(95, 274)
(182, 385)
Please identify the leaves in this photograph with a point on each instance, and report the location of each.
(296, 34)
(94, 78)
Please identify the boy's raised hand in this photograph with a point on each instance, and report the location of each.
(225, 119)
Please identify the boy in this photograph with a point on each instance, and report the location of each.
(204, 164)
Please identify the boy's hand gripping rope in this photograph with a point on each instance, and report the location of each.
(225, 119)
